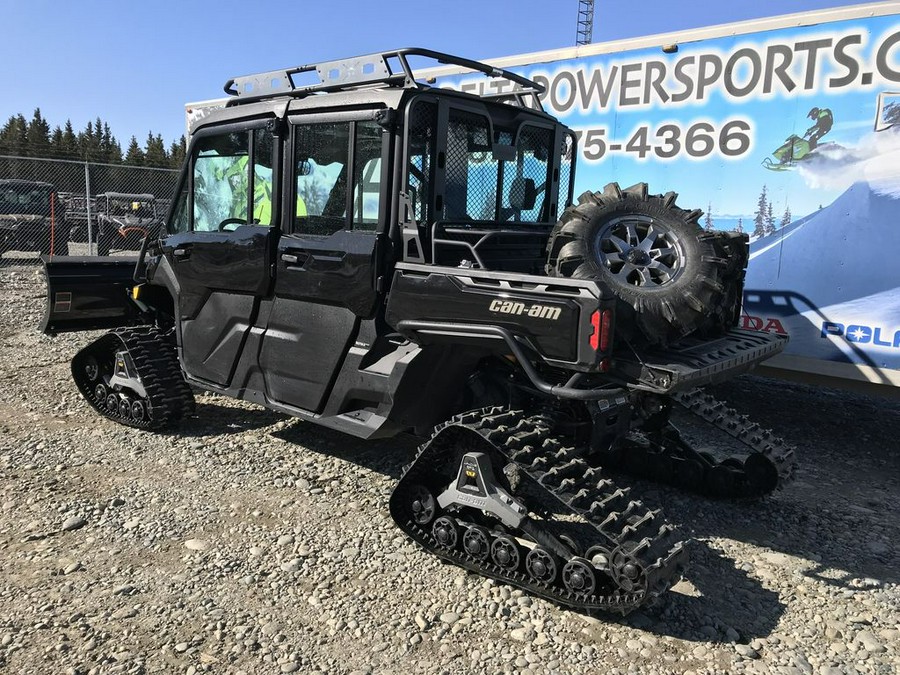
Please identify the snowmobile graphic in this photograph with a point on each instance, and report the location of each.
(802, 148)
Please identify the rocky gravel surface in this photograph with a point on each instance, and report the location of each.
(251, 542)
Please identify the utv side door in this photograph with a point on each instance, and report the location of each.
(324, 267)
(220, 247)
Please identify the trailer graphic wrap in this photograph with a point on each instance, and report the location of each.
(791, 135)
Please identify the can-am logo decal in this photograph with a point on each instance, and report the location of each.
(521, 309)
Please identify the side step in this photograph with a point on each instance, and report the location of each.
(697, 362)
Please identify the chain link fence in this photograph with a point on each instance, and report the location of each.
(63, 207)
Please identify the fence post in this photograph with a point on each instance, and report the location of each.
(87, 203)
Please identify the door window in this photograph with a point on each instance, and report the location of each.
(227, 185)
(221, 179)
(330, 194)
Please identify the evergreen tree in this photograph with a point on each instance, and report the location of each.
(56, 142)
(740, 225)
(89, 143)
(14, 136)
(786, 218)
(134, 156)
(155, 152)
(770, 219)
(69, 142)
(759, 218)
(177, 152)
(708, 221)
(37, 135)
(109, 146)
(95, 143)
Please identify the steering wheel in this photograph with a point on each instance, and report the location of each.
(223, 226)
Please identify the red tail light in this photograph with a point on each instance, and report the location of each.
(601, 322)
(605, 329)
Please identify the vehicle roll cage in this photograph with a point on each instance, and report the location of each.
(389, 68)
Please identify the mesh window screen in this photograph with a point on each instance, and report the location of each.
(422, 122)
(471, 177)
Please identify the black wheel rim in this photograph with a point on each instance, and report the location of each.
(640, 251)
(112, 402)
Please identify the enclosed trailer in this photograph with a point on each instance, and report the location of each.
(785, 128)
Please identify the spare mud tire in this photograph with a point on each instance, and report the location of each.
(667, 274)
(735, 248)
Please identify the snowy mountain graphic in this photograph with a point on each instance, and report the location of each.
(832, 279)
(839, 253)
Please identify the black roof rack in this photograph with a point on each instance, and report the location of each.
(366, 71)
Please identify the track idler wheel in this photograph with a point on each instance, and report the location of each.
(761, 473)
(542, 565)
(578, 577)
(625, 571)
(138, 411)
(505, 553)
(91, 369)
(477, 542)
(112, 403)
(422, 505)
(446, 532)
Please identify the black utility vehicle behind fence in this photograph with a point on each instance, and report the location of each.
(63, 207)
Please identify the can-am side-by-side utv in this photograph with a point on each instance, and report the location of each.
(377, 255)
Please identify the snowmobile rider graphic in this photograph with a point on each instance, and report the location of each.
(796, 148)
(823, 123)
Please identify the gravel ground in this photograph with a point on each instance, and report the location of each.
(252, 542)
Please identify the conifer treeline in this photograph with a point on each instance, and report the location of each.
(95, 143)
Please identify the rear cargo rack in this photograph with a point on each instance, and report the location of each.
(389, 68)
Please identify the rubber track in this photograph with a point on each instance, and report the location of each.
(675, 463)
(757, 440)
(577, 487)
(153, 353)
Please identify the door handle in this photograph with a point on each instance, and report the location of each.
(295, 258)
(182, 252)
(333, 257)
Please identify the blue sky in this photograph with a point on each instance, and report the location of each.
(137, 63)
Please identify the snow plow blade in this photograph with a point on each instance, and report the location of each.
(87, 293)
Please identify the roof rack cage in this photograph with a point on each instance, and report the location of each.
(363, 71)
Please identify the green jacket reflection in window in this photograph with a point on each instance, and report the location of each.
(236, 175)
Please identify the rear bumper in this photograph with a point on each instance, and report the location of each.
(88, 293)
